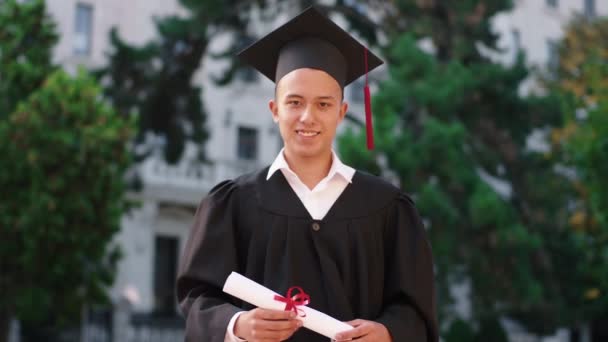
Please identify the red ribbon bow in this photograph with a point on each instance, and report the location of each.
(293, 301)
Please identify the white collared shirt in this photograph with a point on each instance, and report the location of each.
(322, 197)
(317, 201)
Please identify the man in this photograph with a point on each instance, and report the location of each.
(352, 241)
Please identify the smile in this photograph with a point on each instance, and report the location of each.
(307, 133)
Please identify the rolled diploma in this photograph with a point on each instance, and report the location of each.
(258, 295)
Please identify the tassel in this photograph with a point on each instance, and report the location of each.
(368, 110)
(368, 119)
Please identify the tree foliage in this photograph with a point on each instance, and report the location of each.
(63, 152)
(453, 128)
(26, 39)
(581, 145)
(63, 157)
(156, 80)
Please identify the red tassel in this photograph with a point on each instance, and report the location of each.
(368, 119)
(368, 111)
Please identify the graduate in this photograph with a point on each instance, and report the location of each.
(352, 241)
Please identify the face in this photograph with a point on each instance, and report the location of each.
(308, 107)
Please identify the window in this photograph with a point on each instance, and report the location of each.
(589, 9)
(247, 143)
(83, 29)
(552, 55)
(165, 273)
(246, 73)
(552, 3)
(516, 40)
(356, 90)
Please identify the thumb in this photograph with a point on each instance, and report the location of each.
(355, 323)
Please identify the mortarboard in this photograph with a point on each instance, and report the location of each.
(312, 40)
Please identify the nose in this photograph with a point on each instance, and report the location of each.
(307, 115)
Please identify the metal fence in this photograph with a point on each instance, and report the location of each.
(120, 325)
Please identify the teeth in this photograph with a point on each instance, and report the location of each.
(307, 134)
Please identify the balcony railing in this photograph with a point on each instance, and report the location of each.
(188, 181)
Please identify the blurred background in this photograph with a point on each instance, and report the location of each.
(117, 117)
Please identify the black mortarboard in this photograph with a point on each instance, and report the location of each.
(312, 40)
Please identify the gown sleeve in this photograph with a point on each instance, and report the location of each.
(409, 295)
(209, 256)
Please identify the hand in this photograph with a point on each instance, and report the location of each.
(261, 325)
(365, 331)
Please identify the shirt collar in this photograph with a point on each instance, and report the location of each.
(337, 167)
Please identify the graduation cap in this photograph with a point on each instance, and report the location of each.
(312, 40)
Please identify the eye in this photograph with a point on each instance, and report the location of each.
(324, 104)
(293, 103)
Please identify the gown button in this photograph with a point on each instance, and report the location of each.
(316, 227)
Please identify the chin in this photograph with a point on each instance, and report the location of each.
(310, 151)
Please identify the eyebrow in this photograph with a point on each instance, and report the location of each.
(328, 97)
(294, 95)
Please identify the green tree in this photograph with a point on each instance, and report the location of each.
(156, 80)
(581, 144)
(27, 36)
(64, 153)
(453, 128)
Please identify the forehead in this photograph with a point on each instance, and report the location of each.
(308, 83)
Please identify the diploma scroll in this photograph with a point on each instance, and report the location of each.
(258, 295)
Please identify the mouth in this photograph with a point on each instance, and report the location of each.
(307, 133)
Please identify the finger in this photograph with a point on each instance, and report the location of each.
(291, 332)
(274, 314)
(275, 325)
(266, 335)
(271, 335)
(356, 322)
(264, 340)
(362, 330)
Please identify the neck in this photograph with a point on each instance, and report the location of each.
(310, 170)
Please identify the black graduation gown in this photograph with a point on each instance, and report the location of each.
(367, 258)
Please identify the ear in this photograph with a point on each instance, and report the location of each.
(274, 109)
(343, 110)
